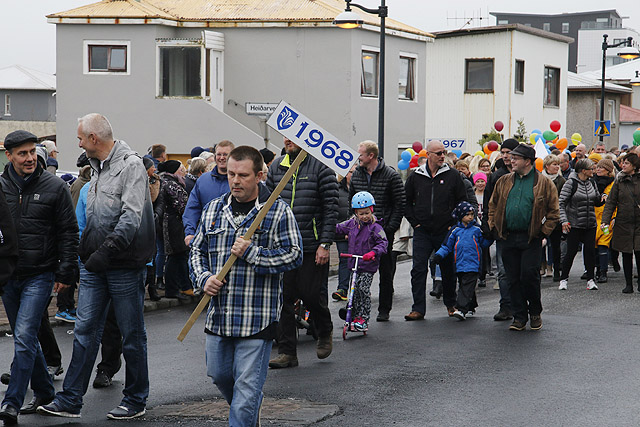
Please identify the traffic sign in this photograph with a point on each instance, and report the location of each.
(602, 128)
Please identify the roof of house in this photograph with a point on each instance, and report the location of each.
(582, 82)
(500, 28)
(624, 71)
(629, 115)
(17, 77)
(542, 15)
(221, 11)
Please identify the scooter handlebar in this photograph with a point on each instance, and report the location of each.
(350, 256)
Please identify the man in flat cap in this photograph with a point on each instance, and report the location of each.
(42, 211)
(523, 210)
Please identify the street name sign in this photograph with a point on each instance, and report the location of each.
(260, 108)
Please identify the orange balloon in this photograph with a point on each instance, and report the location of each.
(539, 163)
(562, 143)
(573, 154)
(554, 141)
(422, 153)
(486, 149)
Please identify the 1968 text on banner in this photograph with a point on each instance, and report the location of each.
(313, 139)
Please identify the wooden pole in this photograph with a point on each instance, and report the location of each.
(232, 258)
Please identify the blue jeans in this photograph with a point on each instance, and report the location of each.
(344, 273)
(238, 367)
(24, 302)
(125, 290)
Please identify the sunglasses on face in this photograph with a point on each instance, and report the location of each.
(439, 153)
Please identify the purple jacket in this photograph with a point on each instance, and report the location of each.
(363, 238)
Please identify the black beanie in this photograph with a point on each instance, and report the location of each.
(510, 143)
(170, 166)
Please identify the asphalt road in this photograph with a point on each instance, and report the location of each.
(580, 369)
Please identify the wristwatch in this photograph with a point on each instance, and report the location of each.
(325, 246)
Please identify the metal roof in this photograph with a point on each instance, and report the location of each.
(17, 77)
(500, 28)
(625, 71)
(582, 82)
(224, 11)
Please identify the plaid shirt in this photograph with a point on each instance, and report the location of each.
(251, 299)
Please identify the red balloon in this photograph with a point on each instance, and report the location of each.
(498, 125)
(555, 126)
(492, 145)
(417, 146)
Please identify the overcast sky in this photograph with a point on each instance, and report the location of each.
(28, 40)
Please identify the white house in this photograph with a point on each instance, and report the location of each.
(181, 73)
(478, 76)
(621, 74)
(590, 47)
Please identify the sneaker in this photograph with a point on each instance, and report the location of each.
(65, 316)
(283, 361)
(123, 413)
(563, 285)
(360, 325)
(55, 371)
(482, 283)
(73, 312)
(591, 285)
(102, 380)
(458, 315)
(517, 326)
(536, 322)
(339, 295)
(55, 409)
(502, 315)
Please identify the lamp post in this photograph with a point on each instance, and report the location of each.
(349, 20)
(629, 52)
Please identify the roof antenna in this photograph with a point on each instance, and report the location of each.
(476, 18)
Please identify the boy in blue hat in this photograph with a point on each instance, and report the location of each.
(466, 243)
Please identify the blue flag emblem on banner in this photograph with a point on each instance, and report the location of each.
(286, 118)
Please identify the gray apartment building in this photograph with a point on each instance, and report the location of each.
(566, 24)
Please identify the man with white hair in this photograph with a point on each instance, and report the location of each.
(52, 155)
(116, 244)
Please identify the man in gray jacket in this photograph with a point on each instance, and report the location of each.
(116, 245)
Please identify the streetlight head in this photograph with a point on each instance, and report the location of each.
(636, 80)
(348, 20)
(628, 52)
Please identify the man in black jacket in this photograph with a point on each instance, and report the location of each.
(43, 214)
(313, 197)
(432, 192)
(8, 243)
(384, 183)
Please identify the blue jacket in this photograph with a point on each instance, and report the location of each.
(209, 186)
(466, 243)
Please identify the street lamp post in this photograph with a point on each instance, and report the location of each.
(628, 52)
(349, 20)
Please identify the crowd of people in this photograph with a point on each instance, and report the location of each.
(129, 223)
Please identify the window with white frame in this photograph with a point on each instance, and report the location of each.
(107, 57)
(479, 75)
(551, 87)
(7, 105)
(407, 78)
(546, 26)
(611, 104)
(179, 71)
(369, 77)
(565, 28)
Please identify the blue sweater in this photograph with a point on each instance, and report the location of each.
(466, 243)
(208, 187)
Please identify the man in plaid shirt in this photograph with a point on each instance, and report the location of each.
(245, 307)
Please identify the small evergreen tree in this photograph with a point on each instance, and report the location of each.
(493, 135)
(521, 132)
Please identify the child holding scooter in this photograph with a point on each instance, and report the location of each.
(366, 237)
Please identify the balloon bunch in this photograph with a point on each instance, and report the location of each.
(409, 157)
(636, 137)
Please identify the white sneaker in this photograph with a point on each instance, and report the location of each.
(591, 285)
(458, 315)
(563, 285)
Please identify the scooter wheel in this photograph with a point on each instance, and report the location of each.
(344, 332)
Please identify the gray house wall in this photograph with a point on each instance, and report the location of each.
(583, 110)
(29, 105)
(315, 69)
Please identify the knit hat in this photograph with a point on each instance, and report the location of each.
(267, 155)
(195, 152)
(606, 164)
(148, 163)
(170, 166)
(18, 137)
(461, 210)
(41, 152)
(479, 175)
(68, 178)
(595, 157)
(525, 151)
(510, 143)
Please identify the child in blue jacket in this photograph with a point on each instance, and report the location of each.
(466, 243)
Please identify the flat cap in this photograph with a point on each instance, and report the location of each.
(18, 137)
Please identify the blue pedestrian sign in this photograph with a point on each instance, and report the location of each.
(602, 128)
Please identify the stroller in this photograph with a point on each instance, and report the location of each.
(348, 325)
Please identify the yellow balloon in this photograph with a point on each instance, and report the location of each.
(412, 151)
(576, 138)
(532, 138)
(480, 153)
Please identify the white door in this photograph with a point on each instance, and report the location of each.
(216, 76)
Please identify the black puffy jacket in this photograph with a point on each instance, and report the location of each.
(8, 243)
(387, 190)
(46, 225)
(312, 195)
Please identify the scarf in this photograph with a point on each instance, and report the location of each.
(602, 182)
(550, 176)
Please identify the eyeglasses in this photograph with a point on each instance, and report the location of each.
(439, 153)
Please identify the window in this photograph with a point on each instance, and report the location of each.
(519, 83)
(180, 71)
(479, 75)
(551, 87)
(7, 105)
(611, 105)
(503, 22)
(565, 28)
(407, 78)
(107, 58)
(546, 26)
(369, 78)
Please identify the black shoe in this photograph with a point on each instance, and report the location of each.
(628, 290)
(502, 315)
(180, 297)
(584, 276)
(615, 264)
(342, 313)
(602, 278)
(482, 283)
(382, 317)
(437, 289)
(5, 378)
(9, 415)
(153, 293)
(102, 380)
(30, 408)
(160, 283)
